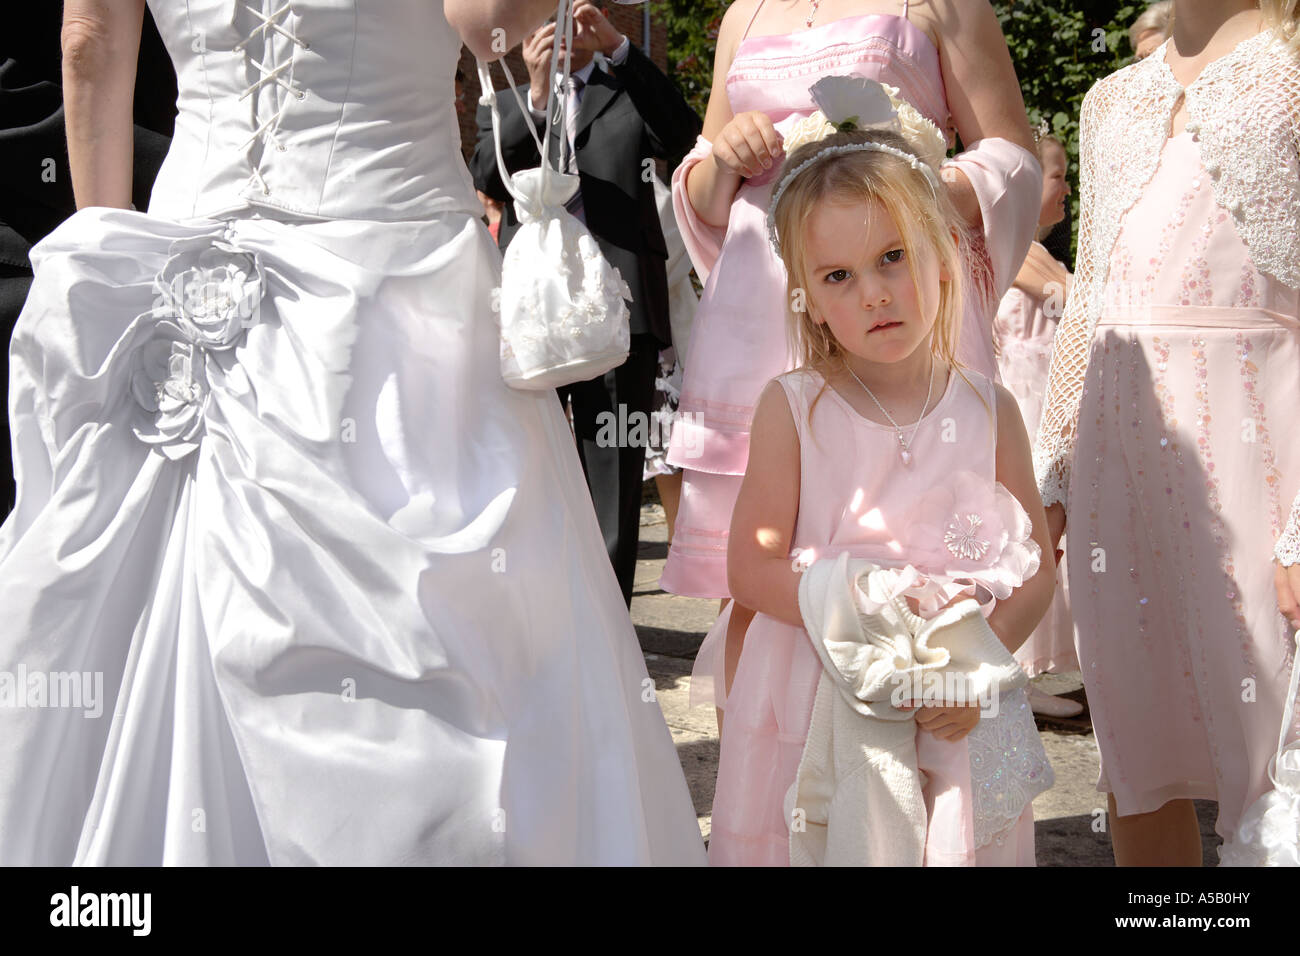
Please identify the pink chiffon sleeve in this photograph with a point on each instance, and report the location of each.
(1008, 182)
(703, 241)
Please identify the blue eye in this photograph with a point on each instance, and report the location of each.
(831, 276)
(893, 255)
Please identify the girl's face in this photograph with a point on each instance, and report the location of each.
(861, 282)
(1055, 186)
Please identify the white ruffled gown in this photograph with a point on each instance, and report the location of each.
(342, 589)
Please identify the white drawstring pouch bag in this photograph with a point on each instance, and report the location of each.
(1269, 831)
(561, 304)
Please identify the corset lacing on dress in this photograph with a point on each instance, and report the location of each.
(265, 132)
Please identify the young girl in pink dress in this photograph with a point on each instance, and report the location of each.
(1023, 330)
(769, 54)
(881, 446)
(1166, 432)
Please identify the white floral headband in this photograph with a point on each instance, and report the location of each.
(860, 103)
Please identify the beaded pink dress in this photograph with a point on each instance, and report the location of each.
(1023, 331)
(1177, 465)
(738, 342)
(855, 495)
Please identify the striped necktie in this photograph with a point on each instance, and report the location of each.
(574, 205)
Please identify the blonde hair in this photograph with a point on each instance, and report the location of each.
(922, 213)
(1283, 16)
(1044, 140)
(1158, 17)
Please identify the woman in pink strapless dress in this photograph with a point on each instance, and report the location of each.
(761, 82)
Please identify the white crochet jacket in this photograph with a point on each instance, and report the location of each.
(1244, 111)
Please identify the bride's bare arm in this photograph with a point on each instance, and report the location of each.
(101, 43)
(478, 23)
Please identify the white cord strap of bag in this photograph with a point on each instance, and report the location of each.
(563, 15)
(1288, 713)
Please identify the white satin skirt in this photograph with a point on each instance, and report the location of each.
(342, 591)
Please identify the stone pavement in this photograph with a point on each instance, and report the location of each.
(1067, 817)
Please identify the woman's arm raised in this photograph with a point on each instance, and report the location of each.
(490, 28)
(741, 144)
(981, 86)
(979, 78)
(101, 43)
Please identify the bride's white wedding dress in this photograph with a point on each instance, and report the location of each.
(342, 588)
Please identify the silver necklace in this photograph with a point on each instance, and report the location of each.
(904, 444)
(811, 16)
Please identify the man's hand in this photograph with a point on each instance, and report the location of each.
(592, 31)
(537, 57)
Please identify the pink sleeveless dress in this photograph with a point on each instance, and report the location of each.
(1023, 330)
(739, 339)
(1183, 474)
(855, 495)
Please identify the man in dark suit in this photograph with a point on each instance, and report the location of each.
(627, 115)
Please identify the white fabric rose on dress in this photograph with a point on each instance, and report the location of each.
(211, 289)
(210, 292)
(169, 382)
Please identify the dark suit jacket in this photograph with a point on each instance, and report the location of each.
(35, 181)
(628, 116)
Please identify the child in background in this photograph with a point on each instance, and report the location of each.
(1023, 330)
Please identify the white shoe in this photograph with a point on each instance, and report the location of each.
(1050, 706)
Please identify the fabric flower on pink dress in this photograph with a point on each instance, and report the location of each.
(970, 531)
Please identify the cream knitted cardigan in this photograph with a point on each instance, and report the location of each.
(857, 799)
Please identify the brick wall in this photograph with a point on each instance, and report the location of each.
(628, 19)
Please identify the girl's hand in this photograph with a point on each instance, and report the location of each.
(748, 145)
(1287, 581)
(947, 721)
(1056, 528)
